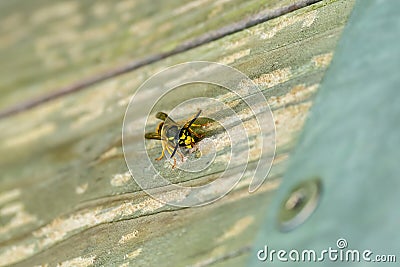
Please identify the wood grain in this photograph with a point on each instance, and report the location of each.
(66, 197)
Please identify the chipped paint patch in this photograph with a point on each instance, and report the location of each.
(11, 209)
(151, 205)
(232, 58)
(61, 227)
(274, 78)
(16, 253)
(323, 60)
(55, 11)
(31, 135)
(124, 101)
(128, 237)
(236, 44)
(78, 262)
(309, 18)
(237, 228)
(86, 118)
(287, 21)
(9, 195)
(112, 152)
(217, 252)
(281, 158)
(191, 5)
(290, 120)
(121, 179)
(298, 93)
(133, 254)
(80, 189)
(21, 217)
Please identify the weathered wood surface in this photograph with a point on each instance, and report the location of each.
(66, 196)
(53, 43)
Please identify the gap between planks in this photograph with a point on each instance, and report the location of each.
(243, 24)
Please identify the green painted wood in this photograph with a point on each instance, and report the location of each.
(65, 195)
(52, 44)
(351, 143)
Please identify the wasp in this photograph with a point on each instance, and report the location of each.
(175, 134)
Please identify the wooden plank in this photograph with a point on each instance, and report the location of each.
(52, 44)
(66, 183)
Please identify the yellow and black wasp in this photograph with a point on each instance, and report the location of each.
(173, 134)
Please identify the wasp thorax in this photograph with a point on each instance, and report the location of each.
(171, 131)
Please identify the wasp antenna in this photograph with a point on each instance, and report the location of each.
(195, 118)
(176, 147)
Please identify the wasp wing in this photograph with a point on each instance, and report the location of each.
(156, 136)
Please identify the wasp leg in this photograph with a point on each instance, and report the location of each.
(194, 147)
(162, 155)
(181, 155)
(173, 166)
(199, 136)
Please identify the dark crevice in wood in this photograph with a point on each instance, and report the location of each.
(251, 21)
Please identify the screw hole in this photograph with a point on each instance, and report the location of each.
(299, 204)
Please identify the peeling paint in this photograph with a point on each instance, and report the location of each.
(309, 18)
(121, 179)
(237, 228)
(78, 262)
(124, 101)
(298, 93)
(16, 253)
(80, 189)
(290, 120)
(11, 208)
(232, 58)
(236, 44)
(62, 227)
(24, 250)
(306, 19)
(9, 195)
(189, 6)
(54, 11)
(20, 218)
(112, 152)
(323, 60)
(128, 237)
(86, 118)
(30, 135)
(133, 254)
(217, 252)
(273, 78)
